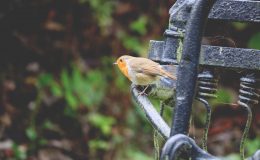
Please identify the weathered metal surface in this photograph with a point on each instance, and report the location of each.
(206, 88)
(169, 53)
(248, 97)
(230, 57)
(179, 14)
(181, 145)
(232, 10)
(155, 50)
(236, 10)
(189, 56)
(188, 66)
(216, 56)
(165, 52)
(152, 115)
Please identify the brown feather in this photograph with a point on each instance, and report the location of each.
(149, 67)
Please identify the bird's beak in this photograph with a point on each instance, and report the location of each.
(115, 63)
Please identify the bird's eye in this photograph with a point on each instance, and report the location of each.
(121, 60)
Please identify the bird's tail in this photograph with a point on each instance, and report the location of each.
(167, 74)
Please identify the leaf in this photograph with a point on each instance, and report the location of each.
(102, 11)
(19, 153)
(65, 80)
(95, 87)
(71, 100)
(132, 43)
(254, 42)
(77, 79)
(139, 25)
(252, 145)
(45, 80)
(56, 89)
(48, 125)
(104, 123)
(223, 97)
(98, 144)
(31, 133)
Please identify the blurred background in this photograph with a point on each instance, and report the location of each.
(62, 99)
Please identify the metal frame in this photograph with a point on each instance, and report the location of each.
(182, 47)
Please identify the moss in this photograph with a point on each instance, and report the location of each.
(179, 50)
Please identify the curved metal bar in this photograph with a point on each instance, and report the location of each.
(207, 122)
(188, 67)
(152, 115)
(155, 134)
(181, 145)
(246, 130)
(248, 97)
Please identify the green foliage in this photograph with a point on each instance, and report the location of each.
(134, 154)
(102, 11)
(48, 125)
(31, 133)
(96, 144)
(239, 25)
(44, 80)
(19, 153)
(223, 96)
(77, 88)
(97, 100)
(254, 42)
(232, 157)
(104, 123)
(132, 43)
(88, 89)
(140, 25)
(56, 89)
(252, 145)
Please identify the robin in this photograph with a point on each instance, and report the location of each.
(141, 71)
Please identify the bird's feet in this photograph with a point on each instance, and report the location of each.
(143, 92)
(139, 88)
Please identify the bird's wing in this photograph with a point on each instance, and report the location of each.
(146, 66)
(149, 67)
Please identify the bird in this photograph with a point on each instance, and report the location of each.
(142, 71)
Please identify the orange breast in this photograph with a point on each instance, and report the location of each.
(123, 67)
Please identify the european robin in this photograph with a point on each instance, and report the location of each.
(141, 71)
